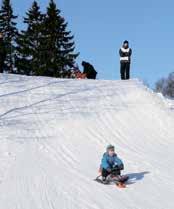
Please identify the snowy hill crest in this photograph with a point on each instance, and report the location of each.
(54, 132)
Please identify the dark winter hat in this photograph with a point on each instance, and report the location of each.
(109, 147)
(83, 63)
(126, 42)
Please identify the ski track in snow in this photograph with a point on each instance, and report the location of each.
(54, 132)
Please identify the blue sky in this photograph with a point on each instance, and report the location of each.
(100, 27)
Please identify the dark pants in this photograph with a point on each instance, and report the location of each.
(105, 173)
(125, 70)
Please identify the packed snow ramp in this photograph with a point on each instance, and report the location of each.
(53, 133)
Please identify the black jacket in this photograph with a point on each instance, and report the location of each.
(125, 54)
(89, 70)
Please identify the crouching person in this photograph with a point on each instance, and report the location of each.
(110, 163)
(89, 70)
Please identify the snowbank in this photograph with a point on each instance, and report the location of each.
(53, 133)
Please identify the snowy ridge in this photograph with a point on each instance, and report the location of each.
(168, 101)
(54, 132)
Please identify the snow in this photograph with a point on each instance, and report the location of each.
(54, 132)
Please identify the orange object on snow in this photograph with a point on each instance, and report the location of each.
(80, 75)
(121, 185)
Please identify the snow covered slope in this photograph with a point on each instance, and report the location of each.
(53, 133)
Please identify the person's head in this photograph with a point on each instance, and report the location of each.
(83, 63)
(126, 44)
(110, 149)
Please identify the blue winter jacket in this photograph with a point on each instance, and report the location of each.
(109, 162)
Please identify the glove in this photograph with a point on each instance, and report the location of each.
(108, 170)
(118, 167)
(115, 166)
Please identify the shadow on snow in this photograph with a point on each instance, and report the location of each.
(134, 177)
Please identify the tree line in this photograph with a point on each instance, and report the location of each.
(45, 48)
(166, 86)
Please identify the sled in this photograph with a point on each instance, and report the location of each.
(119, 180)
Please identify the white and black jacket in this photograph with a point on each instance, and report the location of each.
(125, 54)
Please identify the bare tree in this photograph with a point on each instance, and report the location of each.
(166, 86)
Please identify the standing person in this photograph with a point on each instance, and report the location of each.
(125, 60)
(89, 70)
(2, 53)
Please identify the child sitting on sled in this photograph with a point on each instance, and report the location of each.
(110, 163)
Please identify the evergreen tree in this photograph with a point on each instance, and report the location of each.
(28, 60)
(9, 30)
(59, 47)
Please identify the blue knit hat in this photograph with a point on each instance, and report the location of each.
(110, 146)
